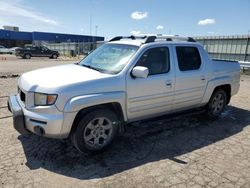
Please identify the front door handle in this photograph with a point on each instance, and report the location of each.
(168, 83)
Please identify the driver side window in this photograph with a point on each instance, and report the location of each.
(43, 48)
(156, 60)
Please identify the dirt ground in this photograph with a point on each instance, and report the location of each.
(185, 150)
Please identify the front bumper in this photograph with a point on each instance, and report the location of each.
(17, 54)
(18, 116)
(32, 121)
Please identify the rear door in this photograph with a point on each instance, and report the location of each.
(191, 78)
(151, 96)
(34, 50)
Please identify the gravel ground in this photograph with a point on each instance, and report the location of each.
(187, 150)
(16, 66)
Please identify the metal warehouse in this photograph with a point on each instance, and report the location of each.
(19, 38)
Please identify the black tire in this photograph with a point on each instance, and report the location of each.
(54, 56)
(27, 56)
(92, 128)
(217, 103)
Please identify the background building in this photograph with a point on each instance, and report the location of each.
(10, 38)
(235, 47)
(11, 28)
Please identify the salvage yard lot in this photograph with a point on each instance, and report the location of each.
(187, 150)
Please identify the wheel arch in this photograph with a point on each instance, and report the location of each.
(226, 88)
(113, 106)
(224, 83)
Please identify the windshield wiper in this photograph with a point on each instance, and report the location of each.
(90, 67)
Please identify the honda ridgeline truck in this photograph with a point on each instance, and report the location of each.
(125, 80)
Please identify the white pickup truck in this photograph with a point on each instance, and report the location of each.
(125, 80)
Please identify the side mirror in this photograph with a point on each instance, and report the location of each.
(140, 72)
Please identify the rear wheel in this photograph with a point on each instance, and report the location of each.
(27, 56)
(217, 103)
(95, 131)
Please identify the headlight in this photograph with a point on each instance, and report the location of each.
(42, 99)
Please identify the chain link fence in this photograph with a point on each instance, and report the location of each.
(235, 47)
(73, 48)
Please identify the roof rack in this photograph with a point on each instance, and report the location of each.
(153, 38)
(128, 37)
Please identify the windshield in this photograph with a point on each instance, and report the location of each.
(109, 58)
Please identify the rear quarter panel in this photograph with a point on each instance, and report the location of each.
(223, 73)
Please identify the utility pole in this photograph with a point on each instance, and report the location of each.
(90, 18)
(96, 28)
(90, 24)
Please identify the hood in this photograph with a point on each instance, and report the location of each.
(54, 51)
(53, 78)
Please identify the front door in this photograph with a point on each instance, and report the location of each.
(45, 52)
(151, 96)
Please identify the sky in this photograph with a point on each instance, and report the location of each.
(111, 18)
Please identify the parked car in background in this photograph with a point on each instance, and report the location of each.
(4, 50)
(36, 51)
(125, 80)
(13, 49)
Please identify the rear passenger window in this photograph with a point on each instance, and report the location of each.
(188, 58)
(156, 60)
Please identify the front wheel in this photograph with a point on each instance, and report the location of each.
(95, 131)
(54, 56)
(217, 103)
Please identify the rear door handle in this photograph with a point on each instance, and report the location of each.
(203, 78)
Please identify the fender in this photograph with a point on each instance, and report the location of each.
(212, 84)
(78, 103)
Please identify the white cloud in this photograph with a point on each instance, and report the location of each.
(159, 27)
(207, 21)
(211, 32)
(13, 9)
(139, 15)
(135, 32)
